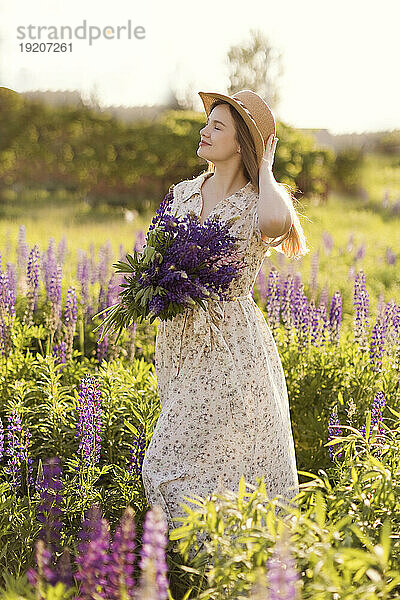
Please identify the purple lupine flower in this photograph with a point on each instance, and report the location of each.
(286, 301)
(92, 560)
(361, 303)
(89, 427)
(350, 243)
(152, 553)
(301, 310)
(12, 279)
(210, 246)
(114, 287)
(22, 249)
(32, 270)
(314, 273)
(103, 268)
(163, 209)
(120, 581)
(105, 253)
(7, 314)
(328, 243)
(83, 276)
(390, 257)
(45, 572)
(376, 414)
(138, 452)
(49, 510)
(351, 273)
(360, 253)
(324, 328)
(103, 344)
(90, 527)
(49, 266)
(396, 207)
(324, 296)
(102, 347)
(101, 301)
(70, 318)
(273, 298)
(54, 295)
(334, 431)
(174, 271)
(335, 317)
(282, 574)
(71, 312)
(315, 324)
(380, 305)
(7, 295)
(82, 272)
(378, 337)
(18, 450)
(59, 352)
(92, 264)
(393, 325)
(297, 280)
(32, 279)
(1, 439)
(62, 250)
(64, 568)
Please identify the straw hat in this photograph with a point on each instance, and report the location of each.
(255, 112)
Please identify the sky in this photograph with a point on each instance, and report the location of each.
(340, 60)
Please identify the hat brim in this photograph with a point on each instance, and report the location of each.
(208, 98)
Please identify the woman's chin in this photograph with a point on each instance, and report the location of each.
(202, 152)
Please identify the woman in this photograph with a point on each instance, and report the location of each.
(224, 404)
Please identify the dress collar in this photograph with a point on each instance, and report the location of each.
(238, 198)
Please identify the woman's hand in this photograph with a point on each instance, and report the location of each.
(269, 153)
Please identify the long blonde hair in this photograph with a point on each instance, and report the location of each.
(295, 245)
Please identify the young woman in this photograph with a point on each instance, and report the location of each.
(224, 403)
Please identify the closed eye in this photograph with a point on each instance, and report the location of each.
(215, 121)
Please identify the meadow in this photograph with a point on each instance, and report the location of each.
(77, 415)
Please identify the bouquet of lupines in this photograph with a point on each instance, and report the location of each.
(182, 263)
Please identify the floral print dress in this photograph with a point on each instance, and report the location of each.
(224, 402)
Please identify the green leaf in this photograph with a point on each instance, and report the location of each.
(368, 425)
(242, 489)
(385, 539)
(320, 508)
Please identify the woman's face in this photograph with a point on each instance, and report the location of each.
(219, 133)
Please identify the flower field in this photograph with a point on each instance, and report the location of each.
(77, 414)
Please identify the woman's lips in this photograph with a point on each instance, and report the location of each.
(204, 144)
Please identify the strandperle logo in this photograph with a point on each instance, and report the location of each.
(81, 32)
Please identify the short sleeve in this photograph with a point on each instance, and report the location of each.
(271, 242)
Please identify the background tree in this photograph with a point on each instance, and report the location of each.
(255, 65)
